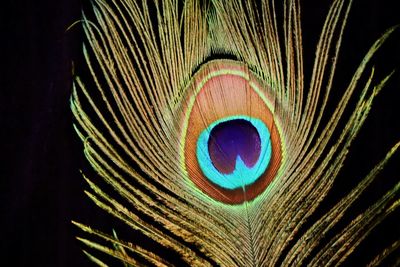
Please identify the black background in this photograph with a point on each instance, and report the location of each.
(41, 187)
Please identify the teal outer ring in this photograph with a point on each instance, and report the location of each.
(242, 176)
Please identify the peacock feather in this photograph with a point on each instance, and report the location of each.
(198, 117)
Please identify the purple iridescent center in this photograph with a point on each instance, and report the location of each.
(230, 139)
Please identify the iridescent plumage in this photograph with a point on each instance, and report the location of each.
(220, 160)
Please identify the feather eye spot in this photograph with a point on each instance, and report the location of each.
(231, 143)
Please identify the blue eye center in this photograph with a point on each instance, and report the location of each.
(234, 152)
(231, 139)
